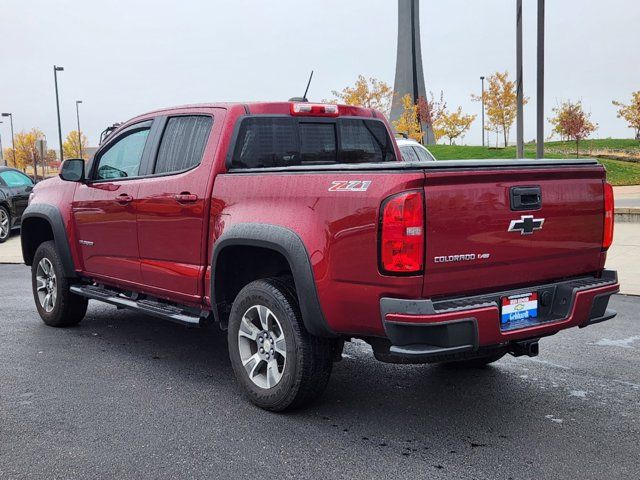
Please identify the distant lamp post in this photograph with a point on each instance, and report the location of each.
(57, 69)
(78, 102)
(1, 154)
(482, 79)
(540, 83)
(519, 87)
(13, 147)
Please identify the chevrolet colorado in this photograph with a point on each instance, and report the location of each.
(296, 227)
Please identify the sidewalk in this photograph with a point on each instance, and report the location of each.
(11, 250)
(624, 255)
(627, 197)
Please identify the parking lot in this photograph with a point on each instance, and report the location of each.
(124, 396)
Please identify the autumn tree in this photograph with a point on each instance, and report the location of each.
(501, 103)
(25, 149)
(631, 113)
(431, 110)
(408, 123)
(453, 124)
(71, 146)
(570, 121)
(371, 93)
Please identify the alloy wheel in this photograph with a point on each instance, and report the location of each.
(4, 224)
(46, 287)
(262, 346)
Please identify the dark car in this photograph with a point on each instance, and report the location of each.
(15, 188)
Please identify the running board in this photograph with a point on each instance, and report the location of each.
(146, 306)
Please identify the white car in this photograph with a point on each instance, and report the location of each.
(413, 151)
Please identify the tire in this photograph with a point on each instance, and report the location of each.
(477, 362)
(5, 224)
(57, 306)
(284, 381)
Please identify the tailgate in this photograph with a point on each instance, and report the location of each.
(480, 236)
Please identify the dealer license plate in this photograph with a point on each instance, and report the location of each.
(519, 311)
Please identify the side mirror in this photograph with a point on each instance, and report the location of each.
(72, 170)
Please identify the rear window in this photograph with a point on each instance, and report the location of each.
(264, 142)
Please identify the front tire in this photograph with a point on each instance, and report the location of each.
(279, 365)
(57, 306)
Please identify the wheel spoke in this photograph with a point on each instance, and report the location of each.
(248, 329)
(280, 346)
(41, 283)
(263, 313)
(272, 373)
(251, 364)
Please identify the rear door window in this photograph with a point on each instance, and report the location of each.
(264, 141)
(182, 143)
(408, 154)
(423, 155)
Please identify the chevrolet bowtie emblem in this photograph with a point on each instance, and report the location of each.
(526, 225)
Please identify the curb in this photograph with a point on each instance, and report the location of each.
(627, 215)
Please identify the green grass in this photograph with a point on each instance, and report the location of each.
(618, 172)
(597, 144)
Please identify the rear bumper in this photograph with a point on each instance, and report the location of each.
(423, 329)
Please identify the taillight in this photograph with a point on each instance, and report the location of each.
(402, 233)
(315, 109)
(607, 236)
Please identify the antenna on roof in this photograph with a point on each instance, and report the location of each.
(303, 98)
(307, 89)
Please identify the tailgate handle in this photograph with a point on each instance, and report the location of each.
(526, 198)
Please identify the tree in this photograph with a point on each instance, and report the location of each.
(408, 123)
(25, 146)
(371, 93)
(571, 122)
(631, 113)
(431, 110)
(453, 124)
(501, 103)
(71, 146)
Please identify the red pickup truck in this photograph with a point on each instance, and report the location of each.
(296, 227)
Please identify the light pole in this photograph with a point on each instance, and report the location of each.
(540, 83)
(55, 79)
(78, 102)
(1, 153)
(13, 147)
(519, 91)
(482, 79)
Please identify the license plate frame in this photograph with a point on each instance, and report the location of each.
(519, 311)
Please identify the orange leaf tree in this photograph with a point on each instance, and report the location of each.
(501, 103)
(409, 123)
(71, 145)
(631, 113)
(368, 93)
(453, 124)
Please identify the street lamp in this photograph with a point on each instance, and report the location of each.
(1, 154)
(78, 102)
(13, 147)
(482, 79)
(519, 87)
(540, 83)
(55, 79)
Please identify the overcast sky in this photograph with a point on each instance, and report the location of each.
(123, 58)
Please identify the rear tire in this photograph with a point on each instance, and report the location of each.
(57, 306)
(5, 224)
(294, 366)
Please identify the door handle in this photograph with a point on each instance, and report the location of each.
(186, 197)
(124, 198)
(526, 198)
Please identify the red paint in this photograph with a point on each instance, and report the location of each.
(160, 242)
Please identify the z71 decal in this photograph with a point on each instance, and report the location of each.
(349, 185)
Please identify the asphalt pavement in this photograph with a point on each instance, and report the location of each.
(126, 396)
